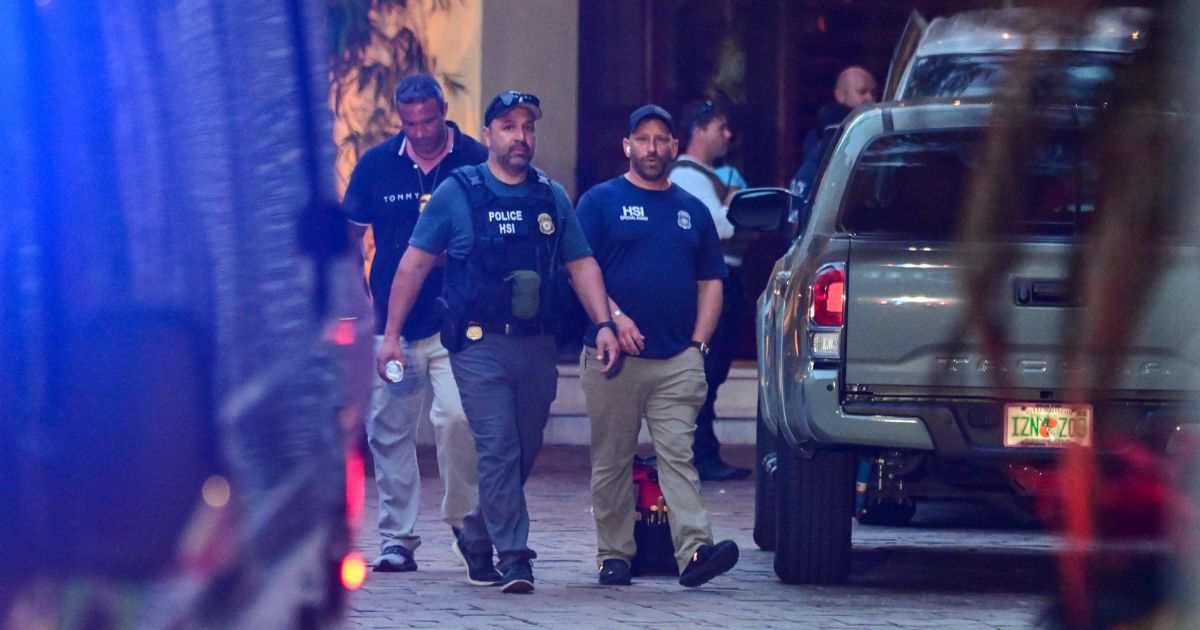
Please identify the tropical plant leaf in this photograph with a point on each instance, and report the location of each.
(454, 83)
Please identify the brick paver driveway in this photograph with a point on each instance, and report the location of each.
(955, 567)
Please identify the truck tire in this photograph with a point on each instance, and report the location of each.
(764, 489)
(814, 506)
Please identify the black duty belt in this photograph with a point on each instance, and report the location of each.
(518, 329)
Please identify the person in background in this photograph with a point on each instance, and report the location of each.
(855, 86)
(387, 191)
(706, 129)
(661, 259)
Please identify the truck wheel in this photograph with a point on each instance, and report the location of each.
(764, 489)
(887, 514)
(814, 504)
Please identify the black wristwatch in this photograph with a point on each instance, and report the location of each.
(701, 346)
(609, 325)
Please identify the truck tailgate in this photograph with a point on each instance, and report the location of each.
(907, 309)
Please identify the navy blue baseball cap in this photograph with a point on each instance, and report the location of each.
(505, 101)
(651, 111)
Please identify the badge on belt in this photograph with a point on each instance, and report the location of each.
(474, 332)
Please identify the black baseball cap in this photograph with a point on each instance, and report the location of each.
(651, 111)
(505, 101)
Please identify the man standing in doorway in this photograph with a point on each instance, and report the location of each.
(706, 129)
(662, 264)
(512, 238)
(387, 191)
(855, 86)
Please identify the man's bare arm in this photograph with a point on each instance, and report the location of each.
(357, 232)
(410, 275)
(708, 309)
(588, 281)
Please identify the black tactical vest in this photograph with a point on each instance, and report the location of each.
(513, 237)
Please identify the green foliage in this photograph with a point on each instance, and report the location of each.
(348, 26)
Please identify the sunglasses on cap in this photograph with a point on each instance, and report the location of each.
(508, 99)
(705, 108)
(505, 101)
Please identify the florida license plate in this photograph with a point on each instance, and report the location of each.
(1047, 425)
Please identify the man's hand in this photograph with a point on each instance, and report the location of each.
(607, 349)
(390, 349)
(631, 339)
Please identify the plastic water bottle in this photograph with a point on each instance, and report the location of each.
(394, 370)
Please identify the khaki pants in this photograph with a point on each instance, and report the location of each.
(668, 393)
(429, 389)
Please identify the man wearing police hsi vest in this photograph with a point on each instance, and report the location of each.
(511, 237)
(661, 258)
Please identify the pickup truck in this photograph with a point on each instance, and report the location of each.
(875, 365)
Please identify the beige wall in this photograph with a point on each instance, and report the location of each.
(533, 46)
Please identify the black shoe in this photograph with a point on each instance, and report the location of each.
(480, 570)
(717, 470)
(395, 559)
(709, 562)
(615, 572)
(518, 578)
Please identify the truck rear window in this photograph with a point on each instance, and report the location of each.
(1065, 77)
(915, 184)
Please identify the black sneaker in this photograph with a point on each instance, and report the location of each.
(615, 572)
(718, 470)
(518, 578)
(708, 562)
(395, 559)
(480, 570)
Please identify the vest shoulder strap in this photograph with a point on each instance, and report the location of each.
(471, 180)
(479, 195)
(718, 185)
(543, 188)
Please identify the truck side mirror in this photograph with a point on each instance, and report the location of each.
(759, 209)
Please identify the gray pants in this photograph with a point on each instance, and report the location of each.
(507, 385)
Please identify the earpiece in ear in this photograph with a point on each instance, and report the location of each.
(627, 152)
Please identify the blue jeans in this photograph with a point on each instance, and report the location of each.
(707, 448)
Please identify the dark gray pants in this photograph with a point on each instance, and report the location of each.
(507, 385)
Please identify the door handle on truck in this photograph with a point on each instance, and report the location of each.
(1044, 292)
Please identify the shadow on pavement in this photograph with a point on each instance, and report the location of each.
(953, 570)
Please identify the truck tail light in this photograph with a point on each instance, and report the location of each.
(826, 312)
(828, 297)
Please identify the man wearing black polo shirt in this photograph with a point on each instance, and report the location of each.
(662, 264)
(388, 191)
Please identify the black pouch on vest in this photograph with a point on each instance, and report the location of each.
(526, 288)
(453, 337)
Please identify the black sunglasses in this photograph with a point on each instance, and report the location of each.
(507, 99)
